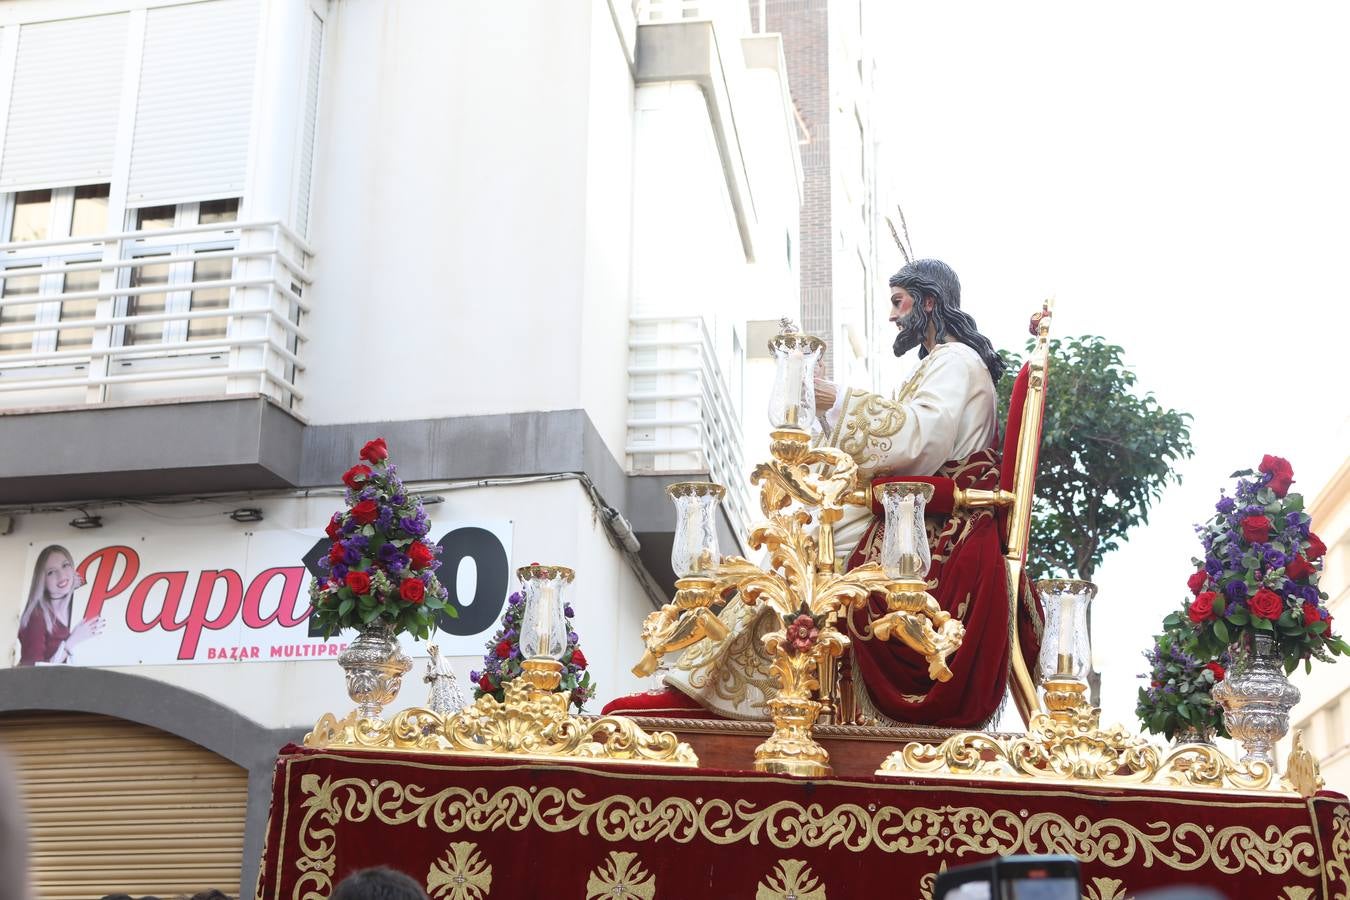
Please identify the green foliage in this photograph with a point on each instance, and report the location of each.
(1106, 455)
(1177, 697)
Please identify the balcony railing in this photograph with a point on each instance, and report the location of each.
(681, 418)
(157, 314)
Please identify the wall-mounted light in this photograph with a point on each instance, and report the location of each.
(86, 521)
(247, 514)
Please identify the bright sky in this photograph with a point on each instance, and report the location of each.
(1178, 177)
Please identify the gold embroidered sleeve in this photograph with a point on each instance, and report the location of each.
(866, 425)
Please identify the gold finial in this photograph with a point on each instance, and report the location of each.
(1302, 773)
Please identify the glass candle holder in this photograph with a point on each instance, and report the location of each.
(905, 555)
(694, 549)
(792, 402)
(543, 628)
(1066, 648)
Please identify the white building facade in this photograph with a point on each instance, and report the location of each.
(238, 238)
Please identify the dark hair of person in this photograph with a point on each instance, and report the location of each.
(378, 884)
(933, 279)
(212, 894)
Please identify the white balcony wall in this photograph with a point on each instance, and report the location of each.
(472, 205)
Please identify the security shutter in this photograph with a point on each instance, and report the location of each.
(194, 103)
(64, 103)
(117, 807)
(306, 175)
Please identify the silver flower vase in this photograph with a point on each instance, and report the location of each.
(375, 666)
(1256, 696)
(1194, 734)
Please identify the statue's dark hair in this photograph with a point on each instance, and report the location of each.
(931, 278)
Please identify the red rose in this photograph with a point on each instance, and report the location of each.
(1299, 568)
(1266, 604)
(1281, 473)
(1310, 614)
(1217, 670)
(333, 529)
(1327, 633)
(1256, 529)
(366, 511)
(412, 590)
(375, 451)
(1316, 548)
(336, 554)
(1197, 581)
(420, 554)
(485, 684)
(578, 658)
(356, 476)
(1202, 607)
(503, 649)
(359, 582)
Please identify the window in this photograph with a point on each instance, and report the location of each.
(75, 216)
(190, 258)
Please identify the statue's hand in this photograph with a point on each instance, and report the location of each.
(826, 393)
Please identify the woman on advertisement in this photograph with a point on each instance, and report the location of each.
(46, 633)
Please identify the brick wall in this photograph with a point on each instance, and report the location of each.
(804, 25)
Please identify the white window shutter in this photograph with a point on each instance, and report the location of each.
(64, 103)
(194, 104)
(307, 137)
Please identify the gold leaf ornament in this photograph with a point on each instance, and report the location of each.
(462, 874)
(792, 879)
(620, 877)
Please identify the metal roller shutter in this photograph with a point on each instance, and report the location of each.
(64, 103)
(195, 102)
(114, 806)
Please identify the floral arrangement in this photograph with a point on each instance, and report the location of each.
(1177, 698)
(502, 661)
(1260, 572)
(380, 567)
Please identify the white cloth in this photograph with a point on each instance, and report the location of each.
(944, 411)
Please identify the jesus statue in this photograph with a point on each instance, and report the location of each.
(941, 422)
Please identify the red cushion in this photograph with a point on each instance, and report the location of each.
(666, 703)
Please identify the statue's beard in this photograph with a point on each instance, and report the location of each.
(912, 329)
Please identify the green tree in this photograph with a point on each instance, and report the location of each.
(1106, 455)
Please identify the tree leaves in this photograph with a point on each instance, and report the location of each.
(1106, 455)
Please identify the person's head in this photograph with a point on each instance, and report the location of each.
(926, 296)
(378, 884)
(53, 579)
(212, 894)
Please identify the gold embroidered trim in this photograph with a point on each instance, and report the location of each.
(462, 874)
(947, 831)
(620, 877)
(792, 879)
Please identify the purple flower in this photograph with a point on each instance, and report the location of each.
(339, 571)
(350, 554)
(359, 541)
(1274, 558)
(1235, 590)
(323, 562)
(368, 493)
(572, 637)
(414, 525)
(398, 499)
(473, 676)
(385, 518)
(1213, 567)
(1225, 505)
(567, 610)
(1255, 509)
(1309, 593)
(514, 599)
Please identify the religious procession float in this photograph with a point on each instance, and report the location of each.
(824, 729)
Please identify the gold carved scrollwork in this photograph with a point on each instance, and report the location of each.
(1074, 747)
(938, 832)
(523, 724)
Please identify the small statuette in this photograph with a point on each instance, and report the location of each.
(445, 696)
